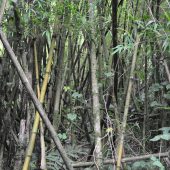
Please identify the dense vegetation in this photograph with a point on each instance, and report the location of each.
(100, 71)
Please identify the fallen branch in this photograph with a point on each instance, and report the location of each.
(130, 159)
(36, 102)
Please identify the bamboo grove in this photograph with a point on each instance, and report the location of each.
(85, 84)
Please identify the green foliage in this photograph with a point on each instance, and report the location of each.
(156, 138)
(121, 48)
(66, 88)
(76, 95)
(72, 116)
(156, 162)
(164, 136)
(159, 87)
(153, 164)
(166, 43)
(165, 129)
(155, 104)
(108, 74)
(140, 74)
(167, 96)
(35, 17)
(155, 87)
(62, 136)
(140, 164)
(55, 162)
(168, 86)
(126, 46)
(48, 36)
(33, 163)
(164, 107)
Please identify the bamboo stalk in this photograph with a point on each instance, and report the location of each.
(43, 156)
(41, 98)
(36, 102)
(98, 156)
(123, 128)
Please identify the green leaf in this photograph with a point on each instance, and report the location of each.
(165, 44)
(140, 74)
(164, 107)
(150, 22)
(153, 158)
(72, 116)
(109, 74)
(158, 164)
(117, 49)
(76, 95)
(156, 138)
(167, 96)
(120, 48)
(155, 104)
(139, 164)
(166, 136)
(168, 86)
(62, 136)
(110, 167)
(165, 130)
(156, 87)
(66, 88)
(48, 36)
(167, 15)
